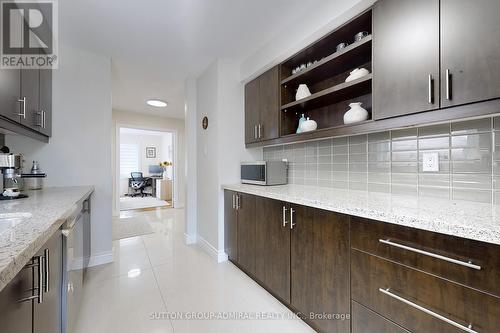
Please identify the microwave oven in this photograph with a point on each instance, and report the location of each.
(264, 172)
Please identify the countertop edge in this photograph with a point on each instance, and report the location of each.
(470, 232)
(14, 267)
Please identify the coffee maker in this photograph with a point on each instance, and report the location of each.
(10, 168)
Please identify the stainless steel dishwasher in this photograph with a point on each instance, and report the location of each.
(76, 252)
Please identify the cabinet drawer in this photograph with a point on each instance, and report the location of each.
(420, 302)
(472, 263)
(365, 320)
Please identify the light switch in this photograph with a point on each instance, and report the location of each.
(430, 162)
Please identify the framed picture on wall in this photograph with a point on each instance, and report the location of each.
(150, 152)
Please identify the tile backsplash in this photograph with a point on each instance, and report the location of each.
(392, 161)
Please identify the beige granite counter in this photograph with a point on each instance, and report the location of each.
(477, 221)
(21, 239)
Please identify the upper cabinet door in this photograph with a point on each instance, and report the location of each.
(30, 94)
(45, 104)
(269, 104)
(10, 87)
(470, 51)
(252, 94)
(405, 57)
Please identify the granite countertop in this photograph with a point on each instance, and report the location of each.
(20, 241)
(477, 221)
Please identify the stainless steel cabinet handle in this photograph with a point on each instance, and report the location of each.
(40, 114)
(238, 202)
(429, 312)
(430, 254)
(430, 89)
(255, 132)
(260, 131)
(43, 119)
(448, 92)
(234, 202)
(23, 114)
(284, 216)
(291, 218)
(39, 290)
(46, 256)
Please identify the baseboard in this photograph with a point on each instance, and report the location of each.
(220, 256)
(101, 259)
(189, 239)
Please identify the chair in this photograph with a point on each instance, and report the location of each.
(138, 184)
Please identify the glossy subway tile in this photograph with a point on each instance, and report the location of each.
(392, 161)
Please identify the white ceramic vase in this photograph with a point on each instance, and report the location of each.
(355, 114)
(356, 74)
(302, 92)
(308, 125)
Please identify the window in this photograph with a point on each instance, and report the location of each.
(129, 159)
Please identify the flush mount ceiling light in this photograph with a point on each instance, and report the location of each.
(156, 103)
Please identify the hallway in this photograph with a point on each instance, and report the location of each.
(156, 273)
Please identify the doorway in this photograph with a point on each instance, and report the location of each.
(145, 168)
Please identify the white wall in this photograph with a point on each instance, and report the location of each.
(79, 152)
(144, 121)
(191, 127)
(220, 148)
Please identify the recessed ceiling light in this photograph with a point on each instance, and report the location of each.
(156, 103)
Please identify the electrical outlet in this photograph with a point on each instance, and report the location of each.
(430, 162)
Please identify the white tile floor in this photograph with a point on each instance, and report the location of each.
(158, 273)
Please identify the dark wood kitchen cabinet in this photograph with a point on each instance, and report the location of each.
(470, 51)
(273, 246)
(301, 256)
(262, 107)
(45, 103)
(30, 96)
(47, 316)
(15, 315)
(10, 85)
(26, 102)
(32, 301)
(239, 229)
(405, 57)
(320, 266)
(230, 226)
(245, 206)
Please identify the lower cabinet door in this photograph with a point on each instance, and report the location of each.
(47, 316)
(273, 247)
(320, 268)
(366, 321)
(16, 316)
(246, 232)
(230, 226)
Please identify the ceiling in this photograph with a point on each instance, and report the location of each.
(156, 44)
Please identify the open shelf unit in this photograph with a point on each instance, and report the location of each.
(325, 78)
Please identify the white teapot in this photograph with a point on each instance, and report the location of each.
(355, 114)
